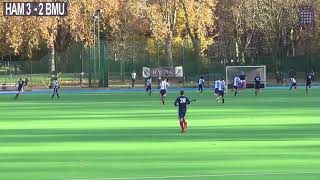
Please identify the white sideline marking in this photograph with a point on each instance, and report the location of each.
(204, 175)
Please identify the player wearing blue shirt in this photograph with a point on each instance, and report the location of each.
(148, 85)
(257, 84)
(182, 101)
(200, 84)
(308, 82)
(21, 85)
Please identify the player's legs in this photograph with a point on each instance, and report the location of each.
(235, 90)
(216, 93)
(257, 90)
(163, 98)
(185, 124)
(149, 90)
(222, 96)
(182, 121)
(218, 96)
(181, 125)
(308, 86)
(57, 93)
(17, 94)
(53, 93)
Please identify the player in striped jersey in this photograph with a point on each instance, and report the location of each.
(148, 85)
(294, 83)
(236, 82)
(200, 84)
(221, 88)
(55, 87)
(216, 86)
(163, 91)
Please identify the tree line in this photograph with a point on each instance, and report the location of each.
(269, 26)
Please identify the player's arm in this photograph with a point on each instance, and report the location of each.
(188, 101)
(176, 102)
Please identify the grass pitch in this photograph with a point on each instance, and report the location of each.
(127, 135)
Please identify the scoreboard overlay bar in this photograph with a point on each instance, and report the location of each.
(35, 8)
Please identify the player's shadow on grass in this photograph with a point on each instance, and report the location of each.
(198, 134)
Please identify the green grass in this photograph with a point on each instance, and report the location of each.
(92, 135)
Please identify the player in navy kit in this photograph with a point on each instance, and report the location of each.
(182, 101)
(308, 82)
(257, 84)
(21, 85)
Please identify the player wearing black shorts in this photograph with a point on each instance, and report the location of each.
(257, 84)
(163, 91)
(21, 84)
(201, 84)
(182, 101)
(55, 87)
(294, 83)
(148, 85)
(308, 82)
(221, 89)
(236, 82)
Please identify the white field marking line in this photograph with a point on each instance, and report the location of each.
(206, 175)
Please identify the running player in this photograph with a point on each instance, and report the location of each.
(200, 84)
(294, 83)
(221, 88)
(21, 85)
(163, 91)
(148, 85)
(55, 87)
(216, 87)
(308, 82)
(236, 82)
(182, 101)
(257, 83)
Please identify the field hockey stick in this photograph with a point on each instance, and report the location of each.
(44, 84)
(59, 74)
